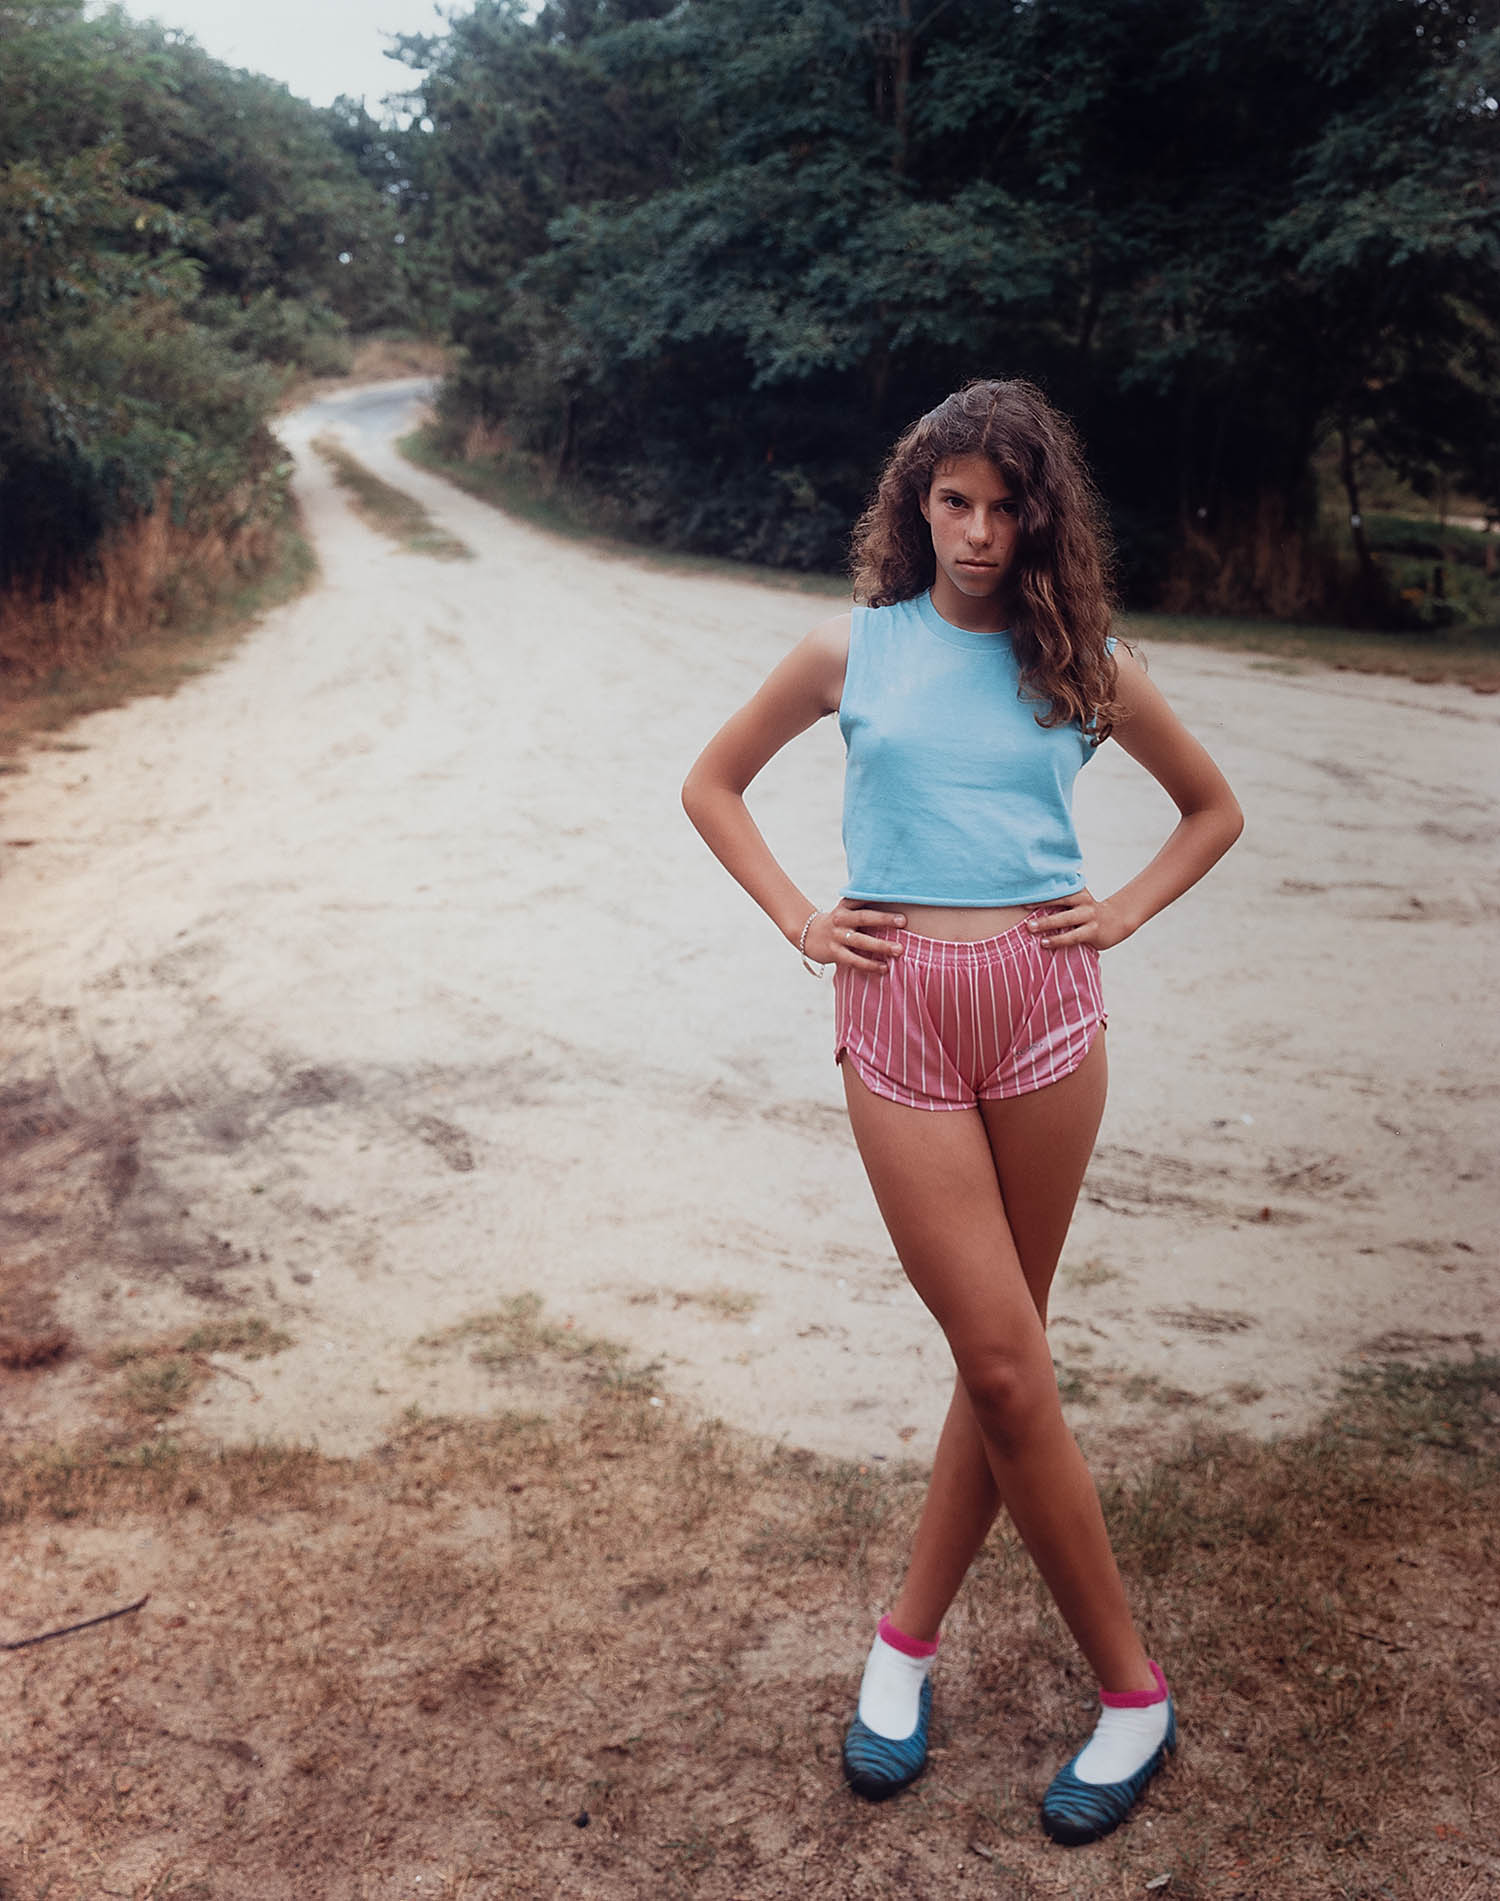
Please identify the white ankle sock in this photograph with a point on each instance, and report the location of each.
(891, 1689)
(1129, 1732)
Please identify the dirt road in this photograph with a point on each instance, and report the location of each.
(375, 979)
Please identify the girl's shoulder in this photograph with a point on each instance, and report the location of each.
(876, 623)
(834, 632)
(815, 667)
(829, 640)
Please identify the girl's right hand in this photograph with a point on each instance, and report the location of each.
(843, 936)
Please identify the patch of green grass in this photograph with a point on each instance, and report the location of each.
(1422, 555)
(515, 1332)
(162, 1384)
(724, 1303)
(391, 510)
(247, 1335)
(1075, 1385)
(1453, 1405)
(1428, 539)
(628, 1380)
(1138, 1387)
(161, 1376)
(1466, 656)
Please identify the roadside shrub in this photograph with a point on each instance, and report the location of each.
(137, 406)
(286, 331)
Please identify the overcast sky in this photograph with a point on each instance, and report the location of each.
(319, 48)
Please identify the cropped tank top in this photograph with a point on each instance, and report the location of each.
(953, 794)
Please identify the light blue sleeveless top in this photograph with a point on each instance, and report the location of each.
(952, 792)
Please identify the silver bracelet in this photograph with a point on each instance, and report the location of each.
(812, 969)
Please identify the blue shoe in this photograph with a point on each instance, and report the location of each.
(876, 1767)
(1075, 1812)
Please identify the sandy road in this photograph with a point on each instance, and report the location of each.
(389, 945)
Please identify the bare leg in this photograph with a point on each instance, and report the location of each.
(941, 1180)
(1040, 1154)
(961, 1504)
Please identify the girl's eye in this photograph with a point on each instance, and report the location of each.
(1010, 508)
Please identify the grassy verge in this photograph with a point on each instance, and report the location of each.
(512, 483)
(612, 1656)
(390, 510)
(1464, 656)
(159, 661)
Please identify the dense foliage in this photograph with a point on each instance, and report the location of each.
(172, 234)
(708, 257)
(705, 258)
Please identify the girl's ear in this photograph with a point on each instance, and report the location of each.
(922, 504)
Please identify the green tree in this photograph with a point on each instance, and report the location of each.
(167, 228)
(711, 258)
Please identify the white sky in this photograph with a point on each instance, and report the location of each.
(319, 48)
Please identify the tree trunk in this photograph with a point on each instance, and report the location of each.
(565, 447)
(901, 89)
(1351, 489)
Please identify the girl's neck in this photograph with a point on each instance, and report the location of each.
(974, 614)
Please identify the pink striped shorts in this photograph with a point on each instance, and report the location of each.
(949, 1025)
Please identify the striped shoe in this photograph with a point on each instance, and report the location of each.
(876, 1767)
(1075, 1812)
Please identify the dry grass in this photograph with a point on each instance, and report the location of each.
(391, 353)
(721, 1303)
(611, 1656)
(73, 672)
(153, 573)
(514, 482)
(29, 1334)
(390, 510)
(60, 1175)
(161, 1376)
(514, 1334)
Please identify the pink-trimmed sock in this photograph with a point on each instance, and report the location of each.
(890, 1691)
(1132, 1726)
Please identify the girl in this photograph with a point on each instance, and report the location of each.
(972, 679)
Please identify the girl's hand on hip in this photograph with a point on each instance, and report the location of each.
(843, 936)
(1080, 919)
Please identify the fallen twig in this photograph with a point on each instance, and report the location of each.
(228, 1372)
(67, 1630)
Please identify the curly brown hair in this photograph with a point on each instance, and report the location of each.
(1060, 592)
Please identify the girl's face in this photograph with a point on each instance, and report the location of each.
(973, 516)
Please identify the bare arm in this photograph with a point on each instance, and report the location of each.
(805, 687)
(1210, 823)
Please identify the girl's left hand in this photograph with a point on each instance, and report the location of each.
(1080, 919)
